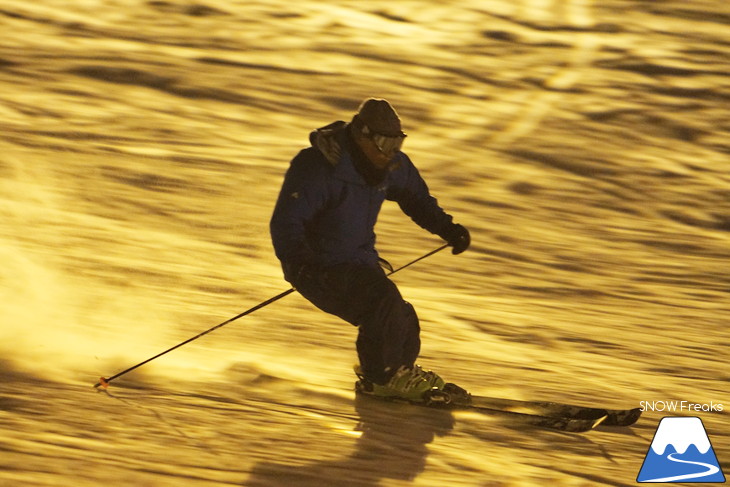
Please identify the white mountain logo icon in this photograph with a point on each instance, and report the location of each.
(681, 452)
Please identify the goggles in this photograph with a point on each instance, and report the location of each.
(388, 145)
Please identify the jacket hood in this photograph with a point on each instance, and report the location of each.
(327, 140)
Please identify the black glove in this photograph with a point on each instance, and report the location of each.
(458, 237)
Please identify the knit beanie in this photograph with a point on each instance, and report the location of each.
(380, 117)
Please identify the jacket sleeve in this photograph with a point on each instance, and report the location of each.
(411, 193)
(302, 195)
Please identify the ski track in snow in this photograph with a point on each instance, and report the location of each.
(142, 145)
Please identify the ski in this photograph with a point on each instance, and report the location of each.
(613, 417)
(567, 424)
(452, 393)
(457, 399)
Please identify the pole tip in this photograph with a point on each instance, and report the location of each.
(103, 383)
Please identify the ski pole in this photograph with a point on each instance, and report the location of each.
(104, 382)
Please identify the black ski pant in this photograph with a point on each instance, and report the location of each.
(389, 332)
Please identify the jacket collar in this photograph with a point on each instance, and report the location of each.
(338, 148)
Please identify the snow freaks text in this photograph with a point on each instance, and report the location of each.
(681, 406)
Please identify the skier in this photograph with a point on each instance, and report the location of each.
(322, 230)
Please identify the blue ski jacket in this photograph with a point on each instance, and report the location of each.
(326, 211)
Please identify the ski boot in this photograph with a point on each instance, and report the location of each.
(408, 383)
(430, 376)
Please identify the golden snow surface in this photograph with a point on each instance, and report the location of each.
(584, 143)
